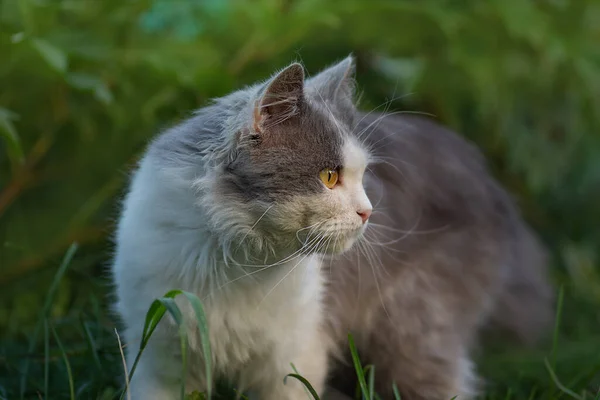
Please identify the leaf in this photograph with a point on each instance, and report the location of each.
(83, 81)
(67, 364)
(204, 338)
(195, 395)
(46, 358)
(11, 138)
(558, 384)
(155, 314)
(54, 56)
(371, 381)
(306, 384)
(396, 392)
(358, 367)
(92, 345)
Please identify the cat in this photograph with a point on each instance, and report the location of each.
(298, 219)
(238, 205)
(445, 258)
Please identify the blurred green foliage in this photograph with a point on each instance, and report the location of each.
(86, 83)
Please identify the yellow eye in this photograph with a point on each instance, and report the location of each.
(329, 177)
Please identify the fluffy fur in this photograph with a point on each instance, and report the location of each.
(445, 254)
(229, 205)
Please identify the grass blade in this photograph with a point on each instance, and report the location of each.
(175, 312)
(44, 314)
(358, 367)
(92, 345)
(371, 381)
(297, 373)
(558, 384)
(396, 392)
(153, 317)
(306, 384)
(204, 338)
(11, 138)
(124, 365)
(532, 394)
(67, 364)
(559, 306)
(46, 358)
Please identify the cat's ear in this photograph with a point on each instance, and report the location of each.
(280, 98)
(335, 83)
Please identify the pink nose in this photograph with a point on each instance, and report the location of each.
(364, 215)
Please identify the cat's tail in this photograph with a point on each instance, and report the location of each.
(525, 309)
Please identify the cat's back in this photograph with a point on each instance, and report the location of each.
(427, 177)
(440, 216)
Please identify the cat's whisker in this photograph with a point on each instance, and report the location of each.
(336, 236)
(254, 226)
(333, 118)
(376, 259)
(298, 254)
(378, 286)
(376, 122)
(409, 231)
(395, 167)
(282, 261)
(388, 160)
(289, 272)
(312, 229)
(387, 105)
(405, 234)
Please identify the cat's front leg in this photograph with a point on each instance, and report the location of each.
(429, 366)
(422, 351)
(310, 360)
(158, 373)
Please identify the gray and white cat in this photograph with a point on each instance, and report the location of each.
(237, 205)
(261, 204)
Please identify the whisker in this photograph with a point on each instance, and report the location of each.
(289, 272)
(410, 231)
(254, 225)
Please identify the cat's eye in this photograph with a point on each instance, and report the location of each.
(329, 177)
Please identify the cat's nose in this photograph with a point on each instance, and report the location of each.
(364, 215)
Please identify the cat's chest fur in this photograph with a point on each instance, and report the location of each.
(246, 321)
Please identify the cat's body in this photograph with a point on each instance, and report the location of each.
(247, 323)
(239, 204)
(446, 254)
(232, 206)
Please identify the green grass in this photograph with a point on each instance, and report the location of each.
(80, 357)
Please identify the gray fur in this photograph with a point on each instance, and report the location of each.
(446, 253)
(260, 148)
(280, 159)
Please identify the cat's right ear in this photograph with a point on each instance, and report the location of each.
(280, 98)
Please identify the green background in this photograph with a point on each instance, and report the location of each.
(84, 84)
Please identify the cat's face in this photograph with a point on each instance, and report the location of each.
(298, 168)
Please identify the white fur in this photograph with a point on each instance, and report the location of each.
(258, 324)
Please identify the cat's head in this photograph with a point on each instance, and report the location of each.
(294, 171)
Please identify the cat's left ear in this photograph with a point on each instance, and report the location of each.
(335, 83)
(280, 98)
